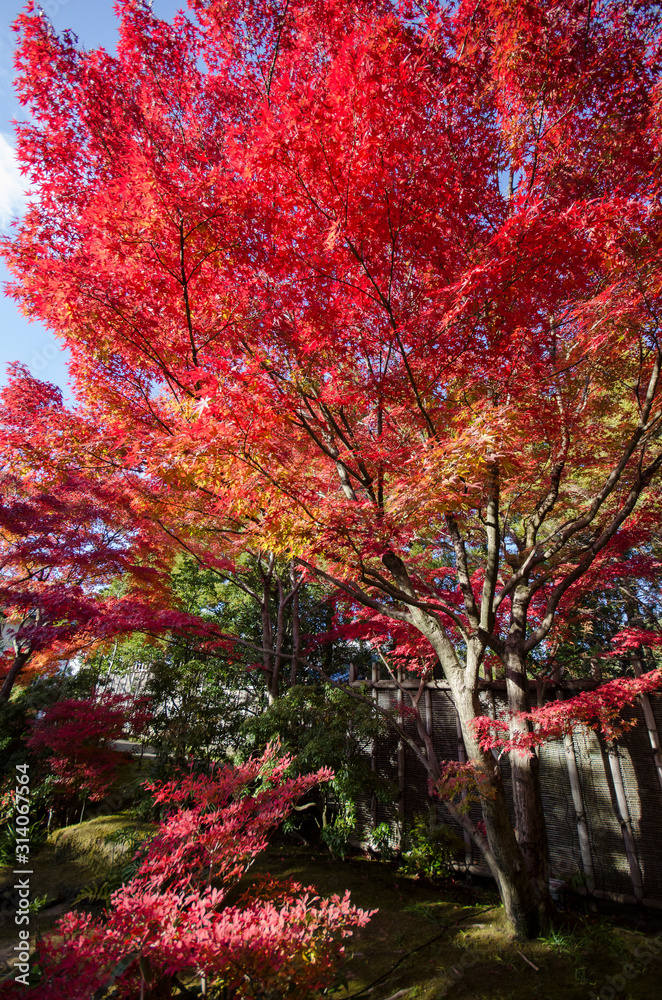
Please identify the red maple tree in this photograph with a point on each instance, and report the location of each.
(68, 539)
(79, 734)
(382, 287)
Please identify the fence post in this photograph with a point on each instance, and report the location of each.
(651, 724)
(428, 710)
(373, 753)
(580, 813)
(625, 820)
(401, 755)
(580, 810)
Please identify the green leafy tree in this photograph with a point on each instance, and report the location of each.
(322, 725)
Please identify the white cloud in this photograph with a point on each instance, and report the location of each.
(13, 194)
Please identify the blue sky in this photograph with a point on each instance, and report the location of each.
(95, 24)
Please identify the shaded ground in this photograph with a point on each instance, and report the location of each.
(426, 942)
(452, 941)
(85, 858)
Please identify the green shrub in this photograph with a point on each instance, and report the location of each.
(323, 726)
(430, 848)
(381, 841)
(337, 835)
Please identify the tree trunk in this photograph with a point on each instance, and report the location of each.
(19, 662)
(269, 665)
(296, 633)
(529, 818)
(521, 877)
(517, 889)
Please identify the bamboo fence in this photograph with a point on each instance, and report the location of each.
(602, 800)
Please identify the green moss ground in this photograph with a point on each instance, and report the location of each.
(426, 942)
(73, 859)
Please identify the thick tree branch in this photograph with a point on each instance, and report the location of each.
(462, 567)
(487, 611)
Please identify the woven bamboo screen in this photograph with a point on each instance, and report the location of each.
(603, 804)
